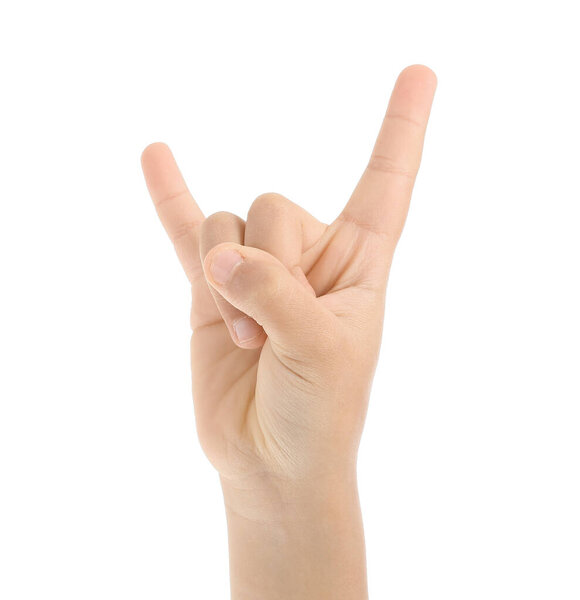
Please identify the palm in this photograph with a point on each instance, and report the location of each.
(242, 382)
(238, 389)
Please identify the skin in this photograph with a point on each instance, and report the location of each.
(280, 412)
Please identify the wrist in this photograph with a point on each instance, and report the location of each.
(296, 540)
(269, 500)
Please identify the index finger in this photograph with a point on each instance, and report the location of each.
(381, 198)
(178, 211)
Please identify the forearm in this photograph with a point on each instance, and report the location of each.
(302, 542)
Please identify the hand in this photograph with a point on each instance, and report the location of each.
(287, 311)
(287, 317)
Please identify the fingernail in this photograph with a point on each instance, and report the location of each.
(223, 264)
(246, 329)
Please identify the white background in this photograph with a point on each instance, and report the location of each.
(469, 465)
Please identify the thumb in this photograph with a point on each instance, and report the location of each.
(259, 285)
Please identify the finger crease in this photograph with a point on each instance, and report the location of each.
(182, 230)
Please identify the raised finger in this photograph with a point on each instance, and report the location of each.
(381, 198)
(178, 211)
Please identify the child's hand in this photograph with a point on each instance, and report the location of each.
(287, 311)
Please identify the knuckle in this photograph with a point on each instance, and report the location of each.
(270, 202)
(406, 120)
(219, 219)
(385, 164)
(182, 230)
(218, 227)
(171, 197)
